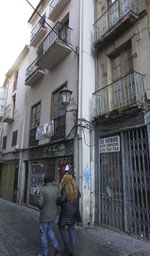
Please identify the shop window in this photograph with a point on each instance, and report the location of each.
(14, 138)
(58, 115)
(35, 122)
(4, 142)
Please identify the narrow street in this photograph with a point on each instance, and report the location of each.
(19, 235)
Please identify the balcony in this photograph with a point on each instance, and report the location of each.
(38, 32)
(56, 7)
(33, 74)
(123, 95)
(119, 17)
(55, 47)
(8, 114)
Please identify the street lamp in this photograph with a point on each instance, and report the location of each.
(65, 94)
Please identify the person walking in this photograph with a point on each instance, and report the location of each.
(69, 214)
(48, 214)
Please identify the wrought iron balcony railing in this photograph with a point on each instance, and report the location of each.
(31, 69)
(60, 33)
(124, 93)
(114, 14)
(36, 29)
(8, 114)
(56, 7)
(53, 4)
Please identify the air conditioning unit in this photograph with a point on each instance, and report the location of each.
(45, 131)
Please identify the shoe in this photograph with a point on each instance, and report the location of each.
(57, 252)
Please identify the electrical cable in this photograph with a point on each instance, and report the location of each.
(85, 139)
(52, 29)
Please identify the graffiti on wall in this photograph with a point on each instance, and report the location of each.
(87, 177)
(37, 177)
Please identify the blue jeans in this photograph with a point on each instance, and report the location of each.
(68, 239)
(47, 227)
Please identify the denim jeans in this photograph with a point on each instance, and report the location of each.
(68, 239)
(47, 227)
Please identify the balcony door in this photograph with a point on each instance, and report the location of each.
(123, 85)
(59, 116)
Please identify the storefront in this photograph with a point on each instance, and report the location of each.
(50, 159)
(123, 175)
(9, 181)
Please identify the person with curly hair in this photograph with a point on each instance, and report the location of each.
(69, 214)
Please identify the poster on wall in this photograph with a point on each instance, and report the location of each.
(37, 178)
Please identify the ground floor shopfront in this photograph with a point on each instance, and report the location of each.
(50, 159)
(9, 177)
(123, 174)
(22, 179)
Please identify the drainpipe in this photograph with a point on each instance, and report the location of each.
(21, 166)
(80, 100)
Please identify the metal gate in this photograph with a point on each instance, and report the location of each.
(111, 190)
(125, 185)
(137, 182)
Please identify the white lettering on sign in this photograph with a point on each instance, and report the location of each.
(109, 144)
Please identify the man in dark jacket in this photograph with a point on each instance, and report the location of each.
(69, 202)
(48, 214)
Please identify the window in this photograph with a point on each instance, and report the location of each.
(15, 81)
(4, 142)
(35, 122)
(123, 83)
(122, 63)
(58, 116)
(14, 138)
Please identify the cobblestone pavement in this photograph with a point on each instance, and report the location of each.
(19, 236)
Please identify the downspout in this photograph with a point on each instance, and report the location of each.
(20, 172)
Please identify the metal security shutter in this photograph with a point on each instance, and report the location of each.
(111, 190)
(137, 182)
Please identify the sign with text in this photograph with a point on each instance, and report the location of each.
(109, 144)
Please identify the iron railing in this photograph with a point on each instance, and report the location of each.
(113, 15)
(36, 29)
(126, 91)
(60, 32)
(31, 69)
(52, 5)
(9, 113)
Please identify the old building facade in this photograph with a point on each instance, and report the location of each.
(43, 135)
(99, 51)
(122, 116)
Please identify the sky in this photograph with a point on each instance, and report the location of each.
(14, 31)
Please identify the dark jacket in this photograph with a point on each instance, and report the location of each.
(69, 213)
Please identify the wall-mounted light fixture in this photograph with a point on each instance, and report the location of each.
(65, 94)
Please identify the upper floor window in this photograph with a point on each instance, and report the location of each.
(122, 64)
(15, 81)
(35, 122)
(14, 138)
(4, 142)
(58, 116)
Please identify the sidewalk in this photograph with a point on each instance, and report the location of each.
(19, 236)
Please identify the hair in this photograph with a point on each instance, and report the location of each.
(48, 178)
(71, 187)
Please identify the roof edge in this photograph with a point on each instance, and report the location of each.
(18, 61)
